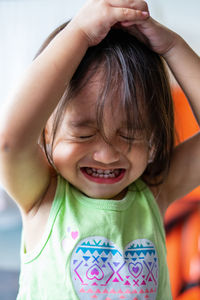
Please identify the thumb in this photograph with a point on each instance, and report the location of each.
(148, 26)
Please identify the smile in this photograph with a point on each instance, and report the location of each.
(103, 176)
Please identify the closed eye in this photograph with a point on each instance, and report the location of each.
(136, 138)
(128, 138)
(85, 136)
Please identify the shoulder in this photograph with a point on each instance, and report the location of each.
(154, 192)
(160, 197)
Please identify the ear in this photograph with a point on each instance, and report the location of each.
(48, 132)
(151, 154)
(47, 135)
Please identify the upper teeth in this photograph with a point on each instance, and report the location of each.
(100, 172)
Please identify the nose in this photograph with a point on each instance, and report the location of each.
(106, 153)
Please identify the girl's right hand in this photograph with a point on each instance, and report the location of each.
(96, 17)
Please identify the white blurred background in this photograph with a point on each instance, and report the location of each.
(24, 24)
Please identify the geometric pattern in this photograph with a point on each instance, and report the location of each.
(100, 270)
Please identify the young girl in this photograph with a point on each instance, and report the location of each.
(97, 101)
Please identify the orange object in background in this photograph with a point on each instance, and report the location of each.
(182, 220)
(185, 123)
(192, 294)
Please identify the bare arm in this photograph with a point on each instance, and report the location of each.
(24, 170)
(184, 173)
(185, 65)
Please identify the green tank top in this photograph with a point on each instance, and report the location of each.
(98, 249)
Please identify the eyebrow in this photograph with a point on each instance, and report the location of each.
(126, 125)
(92, 123)
(82, 123)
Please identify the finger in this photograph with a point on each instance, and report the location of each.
(130, 23)
(127, 23)
(151, 22)
(124, 15)
(149, 27)
(134, 4)
(133, 30)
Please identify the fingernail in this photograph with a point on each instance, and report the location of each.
(145, 13)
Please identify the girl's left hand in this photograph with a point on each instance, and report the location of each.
(158, 37)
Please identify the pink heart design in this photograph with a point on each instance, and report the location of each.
(95, 272)
(74, 234)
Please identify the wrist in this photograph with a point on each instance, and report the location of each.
(77, 32)
(176, 44)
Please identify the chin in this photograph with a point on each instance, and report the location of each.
(99, 195)
(104, 195)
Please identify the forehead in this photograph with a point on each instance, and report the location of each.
(108, 103)
(83, 106)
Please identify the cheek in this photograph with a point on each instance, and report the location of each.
(62, 155)
(66, 155)
(139, 155)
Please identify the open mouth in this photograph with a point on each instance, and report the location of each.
(103, 176)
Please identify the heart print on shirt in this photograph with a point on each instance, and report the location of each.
(101, 270)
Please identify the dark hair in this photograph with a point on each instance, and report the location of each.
(139, 75)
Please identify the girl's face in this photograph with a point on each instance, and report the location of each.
(82, 156)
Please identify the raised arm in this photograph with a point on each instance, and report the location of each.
(23, 168)
(184, 173)
(24, 171)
